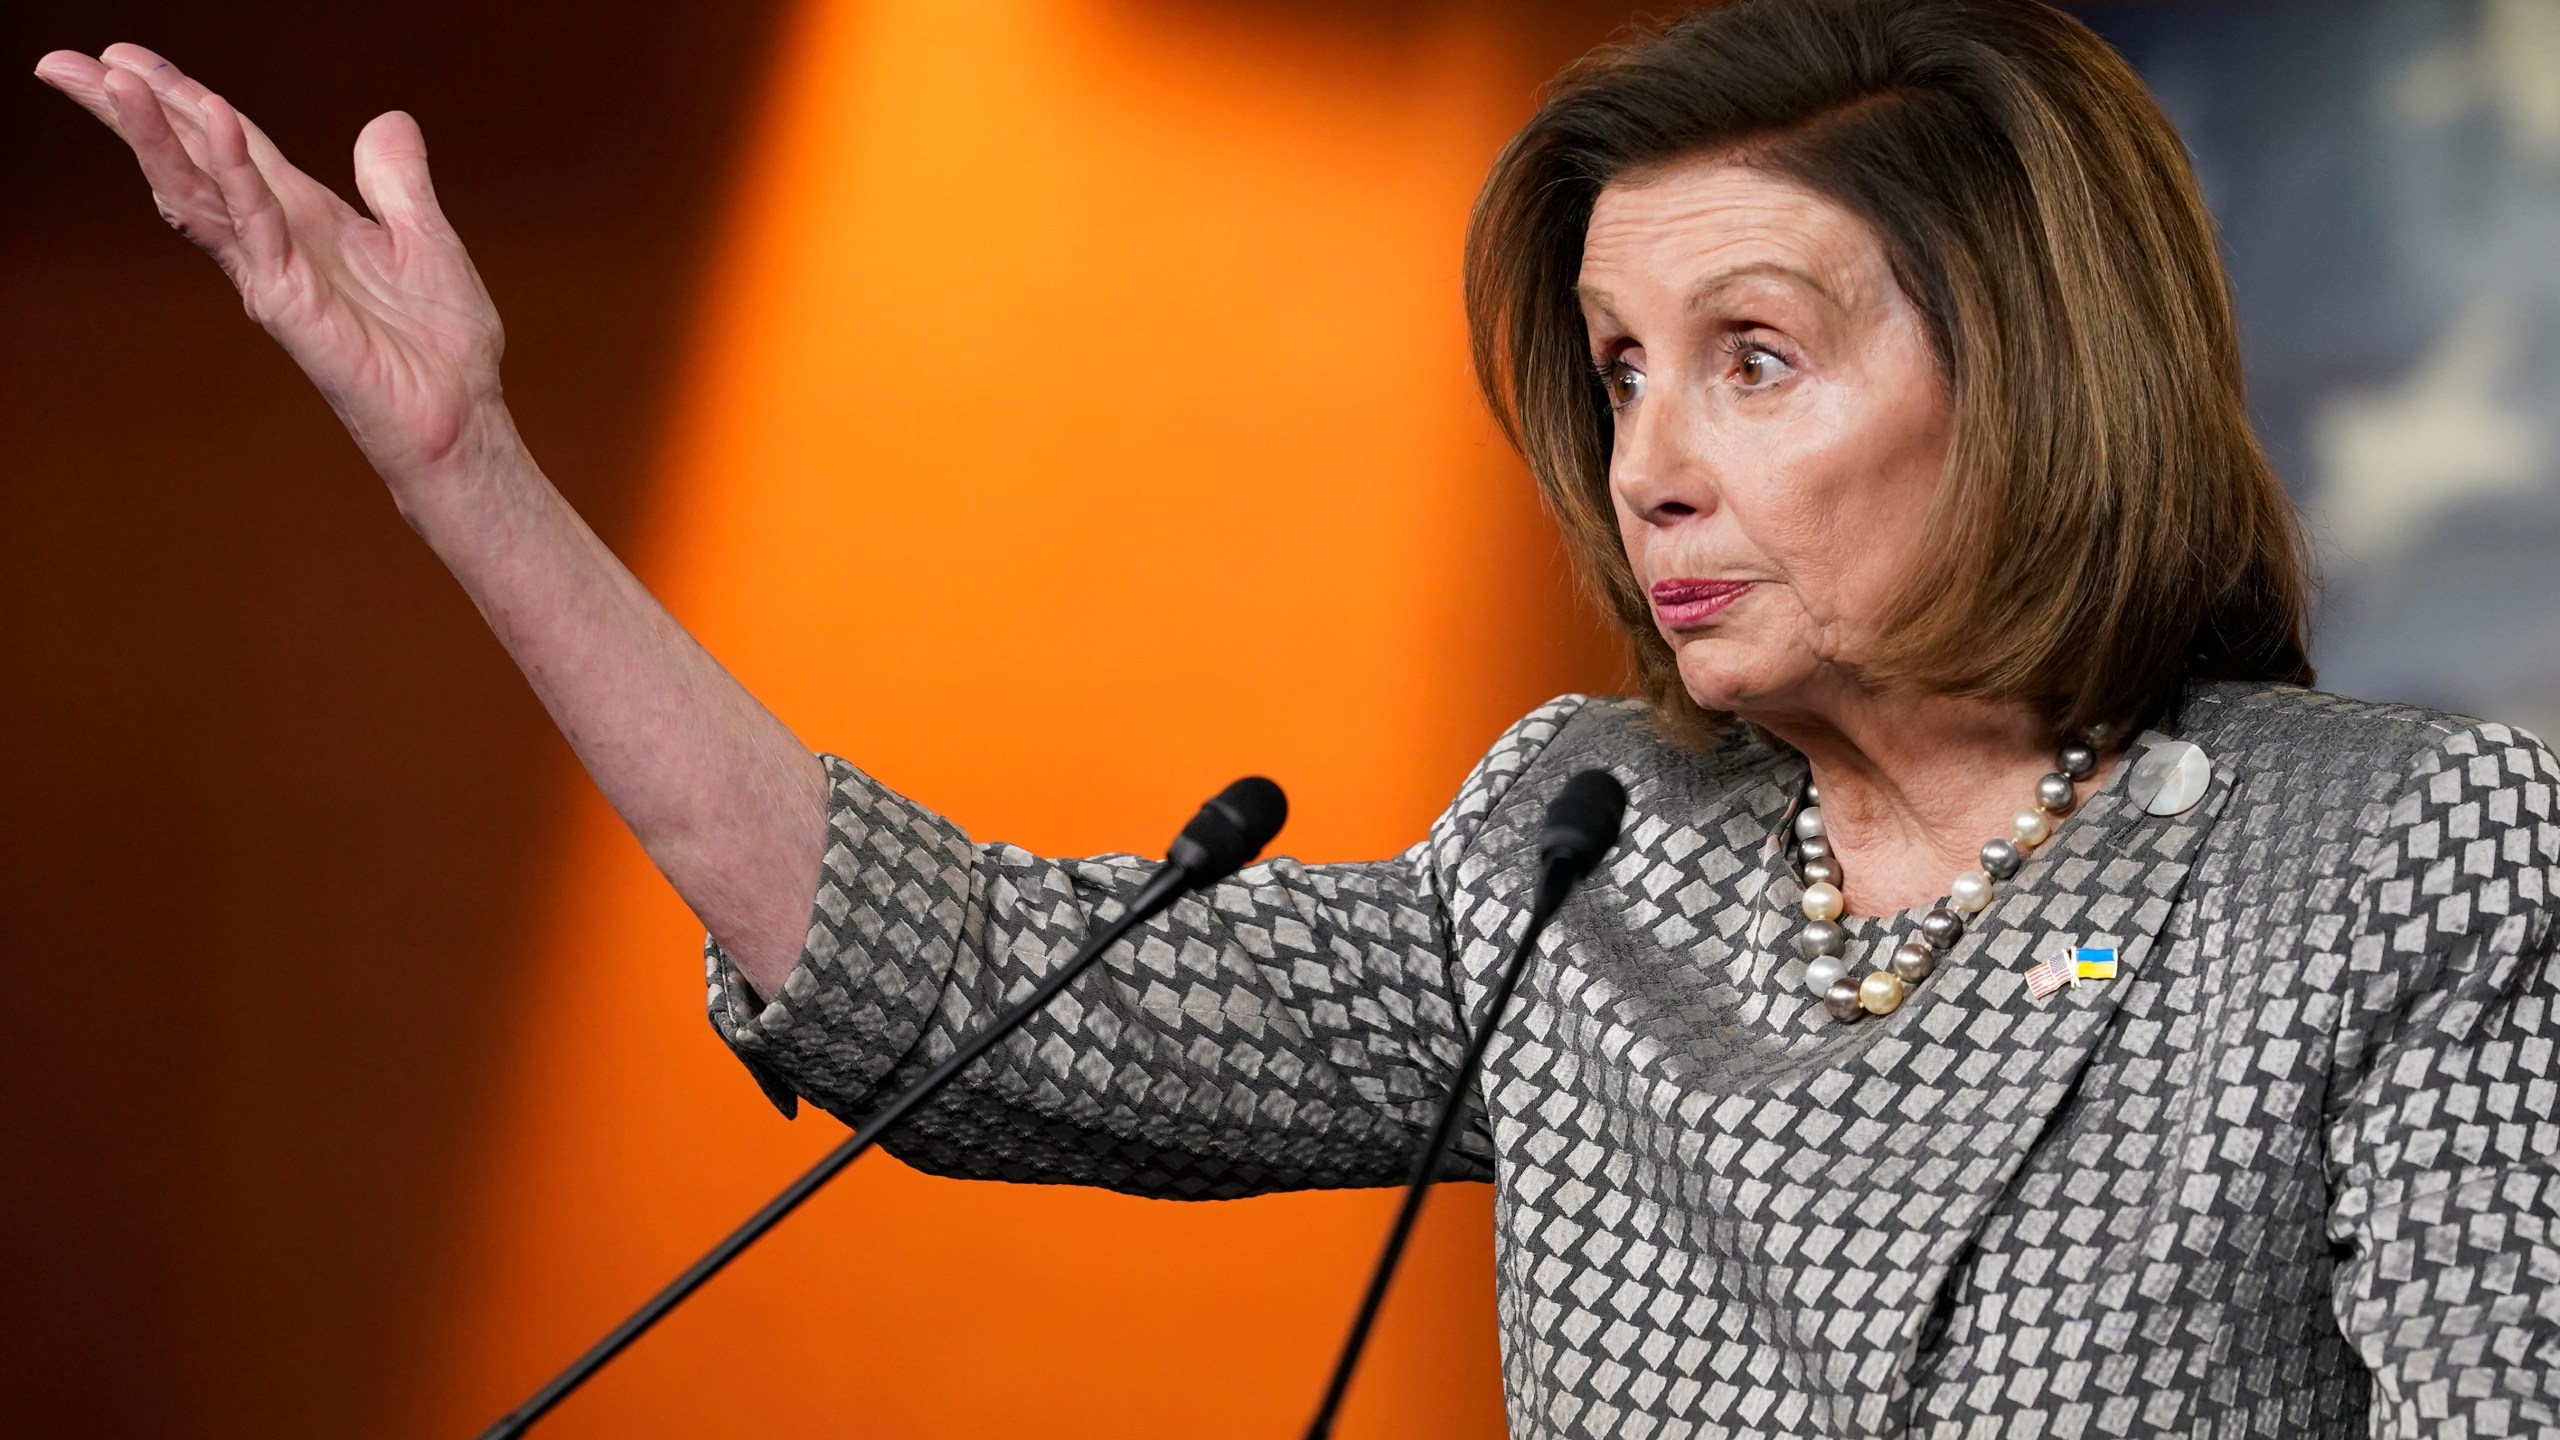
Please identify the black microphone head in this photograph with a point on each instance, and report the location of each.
(1230, 830)
(1582, 823)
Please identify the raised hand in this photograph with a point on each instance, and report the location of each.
(385, 314)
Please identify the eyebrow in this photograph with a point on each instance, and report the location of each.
(1706, 292)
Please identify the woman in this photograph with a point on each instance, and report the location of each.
(2015, 1005)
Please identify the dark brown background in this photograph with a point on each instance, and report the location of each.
(268, 791)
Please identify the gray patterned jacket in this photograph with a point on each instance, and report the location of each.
(2292, 1168)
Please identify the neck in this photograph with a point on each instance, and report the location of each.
(1913, 784)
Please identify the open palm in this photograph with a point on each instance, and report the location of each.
(385, 314)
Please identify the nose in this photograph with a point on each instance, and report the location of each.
(1658, 471)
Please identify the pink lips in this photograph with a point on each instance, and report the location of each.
(1680, 604)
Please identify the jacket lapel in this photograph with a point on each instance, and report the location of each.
(2108, 878)
(1847, 1168)
(1967, 1076)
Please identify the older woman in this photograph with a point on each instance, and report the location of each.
(2016, 1005)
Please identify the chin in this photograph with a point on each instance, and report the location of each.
(1720, 675)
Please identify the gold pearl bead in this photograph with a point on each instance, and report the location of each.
(1823, 902)
(1880, 993)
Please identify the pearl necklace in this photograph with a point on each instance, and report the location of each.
(1823, 939)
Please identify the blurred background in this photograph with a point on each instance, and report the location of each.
(922, 355)
(2387, 177)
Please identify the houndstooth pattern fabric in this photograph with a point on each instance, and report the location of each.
(2291, 1173)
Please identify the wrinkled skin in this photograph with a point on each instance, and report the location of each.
(1782, 423)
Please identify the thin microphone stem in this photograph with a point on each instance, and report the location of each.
(1168, 882)
(1426, 1166)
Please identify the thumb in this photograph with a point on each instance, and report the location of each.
(391, 175)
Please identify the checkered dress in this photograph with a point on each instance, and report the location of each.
(2290, 1173)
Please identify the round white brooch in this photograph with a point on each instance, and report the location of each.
(2169, 778)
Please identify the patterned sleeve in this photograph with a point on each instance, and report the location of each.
(2442, 1123)
(1290, 1028)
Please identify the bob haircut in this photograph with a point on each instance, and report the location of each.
(2107, 528)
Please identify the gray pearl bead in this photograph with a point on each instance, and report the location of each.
(1812, 793)
(2000, 859)
(1842, 1000)
(1824, 971)
(1809, 823)
(2076, 762)
(1815, 848)
(1942, 928)
(1913, 960)
(1821, 937)
(2056, 793)
(1822, 872)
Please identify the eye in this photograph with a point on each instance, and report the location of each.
(1757, 366)
(1622, 383)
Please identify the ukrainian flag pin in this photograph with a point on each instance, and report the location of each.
(2070, 966)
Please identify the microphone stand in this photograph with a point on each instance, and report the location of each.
(1237, 826)
(1568, 852)
(1418, 1188)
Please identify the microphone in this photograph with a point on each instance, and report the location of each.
(1582, 823)
(1223, 838)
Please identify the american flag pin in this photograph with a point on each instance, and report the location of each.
(2046, 977)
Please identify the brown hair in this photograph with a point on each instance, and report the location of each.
(2108, 527)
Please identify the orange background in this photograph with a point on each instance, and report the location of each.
(1072, 414)
(1081, 420)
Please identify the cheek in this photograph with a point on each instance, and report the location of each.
(1893, 500)
(1793, 515)
(1845, 505)
(1789, 516)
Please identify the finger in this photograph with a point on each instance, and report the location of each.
(158, 72)
(391, 175)
(181, 98)
(257, 216)
(81, 78)
(189, 198)
(300, 194)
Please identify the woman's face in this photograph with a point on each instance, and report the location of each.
(1781, 426)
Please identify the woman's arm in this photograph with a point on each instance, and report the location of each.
(1294, 1026)
(2443, 1117)
(389, 319)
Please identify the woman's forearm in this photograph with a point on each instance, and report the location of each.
(727, 802)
